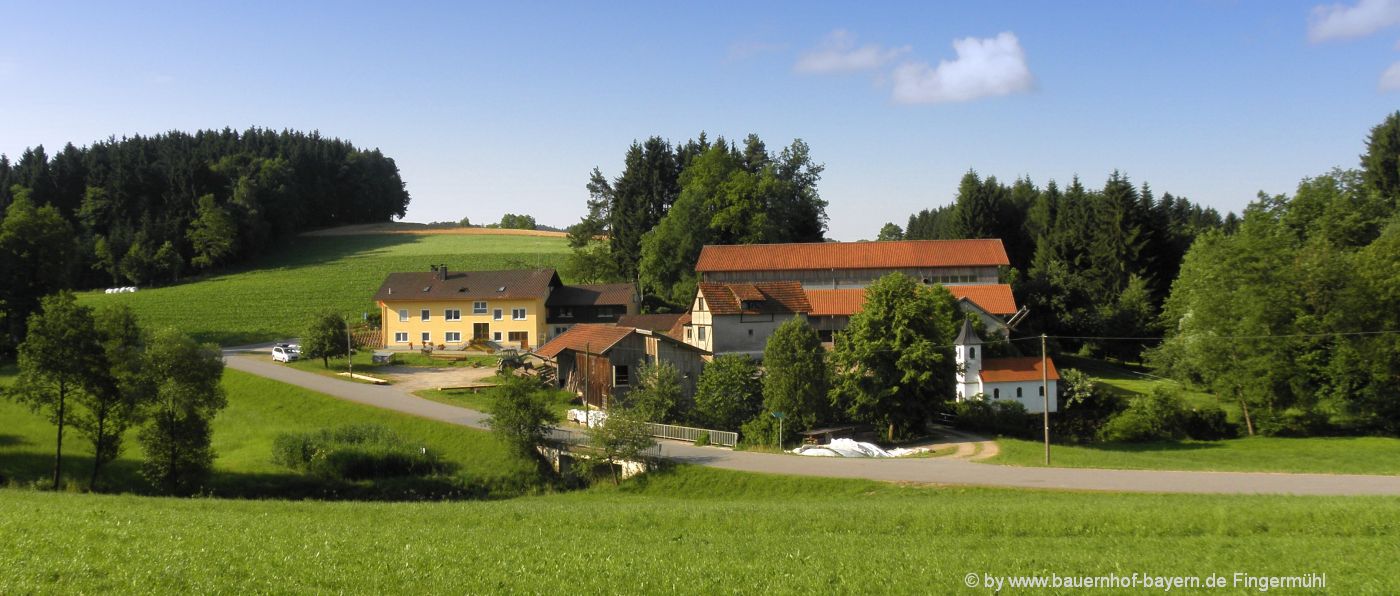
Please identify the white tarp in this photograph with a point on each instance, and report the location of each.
(852, 448)
(589, 418)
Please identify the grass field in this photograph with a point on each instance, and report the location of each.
(1322, 455)
(275, 296)
(689, 530)
(259, 409)
(481, 400)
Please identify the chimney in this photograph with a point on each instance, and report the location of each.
(442, 272)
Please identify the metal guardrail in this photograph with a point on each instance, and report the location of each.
(686, 433)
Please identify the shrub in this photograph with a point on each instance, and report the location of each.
(356, 452)
(1155, 417)
(1291, 422)
(1002, 417)
(703, 439)
(1208, 425)
(762, 430)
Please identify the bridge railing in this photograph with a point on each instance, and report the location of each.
(691, 434)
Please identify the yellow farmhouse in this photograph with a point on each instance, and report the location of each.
(520, 308)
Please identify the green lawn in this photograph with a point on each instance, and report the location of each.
(1131, 380)
(275, 296)
(560, 402)
(1324, 455)
(689, 531)
(259, 409)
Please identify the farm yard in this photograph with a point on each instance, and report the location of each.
(275, 296)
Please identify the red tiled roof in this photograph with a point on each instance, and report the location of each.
(596, 337)
(465, 285)
(592, 295)
(840, 303)
(653, 322)
(773, 297)
(852, 255)
(1007, 370)
(993, 298)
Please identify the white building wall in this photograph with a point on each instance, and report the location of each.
(1030, 394)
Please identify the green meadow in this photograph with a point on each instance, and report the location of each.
(275, 296)
(1320, 455)
(687, 530)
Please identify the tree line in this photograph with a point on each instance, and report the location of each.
(1294, 316)
(1086, 262)
(648, 224)
(143, 210)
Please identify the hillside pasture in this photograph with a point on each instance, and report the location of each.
(275, 296)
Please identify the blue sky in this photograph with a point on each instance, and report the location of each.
(503, 107)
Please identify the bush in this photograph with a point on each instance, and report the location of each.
(1001, 417)
(703, 439)
(762, 430)
(1208, 425)
(1292, 422)
(1155, 417)
(356, 452)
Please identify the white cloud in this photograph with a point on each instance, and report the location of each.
(1339, 21)
(1390, 79)
(983, 68)
(838, 53)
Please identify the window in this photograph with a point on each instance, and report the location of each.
(427, 337)
(479, 307)
(452, 314)
(497, 315)
(454, 337)
(688, 332)
(425, 314)
(403, 315)
(565, 313)
(1018, 392)
(702, 334)
(606, 313)
(1041, 390)
(496, 336)
(620, 376)
(401, 337)
(996, 394)
(972, 353)
(700, 303)
(517, 314)
(560, 330)
(751, 333)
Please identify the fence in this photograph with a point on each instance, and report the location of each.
(686, 433)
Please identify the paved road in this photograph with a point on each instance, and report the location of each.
(931, 471)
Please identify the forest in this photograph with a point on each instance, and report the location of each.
(149, 210)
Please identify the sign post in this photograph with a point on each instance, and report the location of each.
(779, 416)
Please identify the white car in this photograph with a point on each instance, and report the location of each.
(285, 353)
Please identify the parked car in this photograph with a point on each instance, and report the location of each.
(285, 353)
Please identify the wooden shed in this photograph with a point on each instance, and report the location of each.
(599, 361)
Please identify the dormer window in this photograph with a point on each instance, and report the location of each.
(501, 289)
(752, 304)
